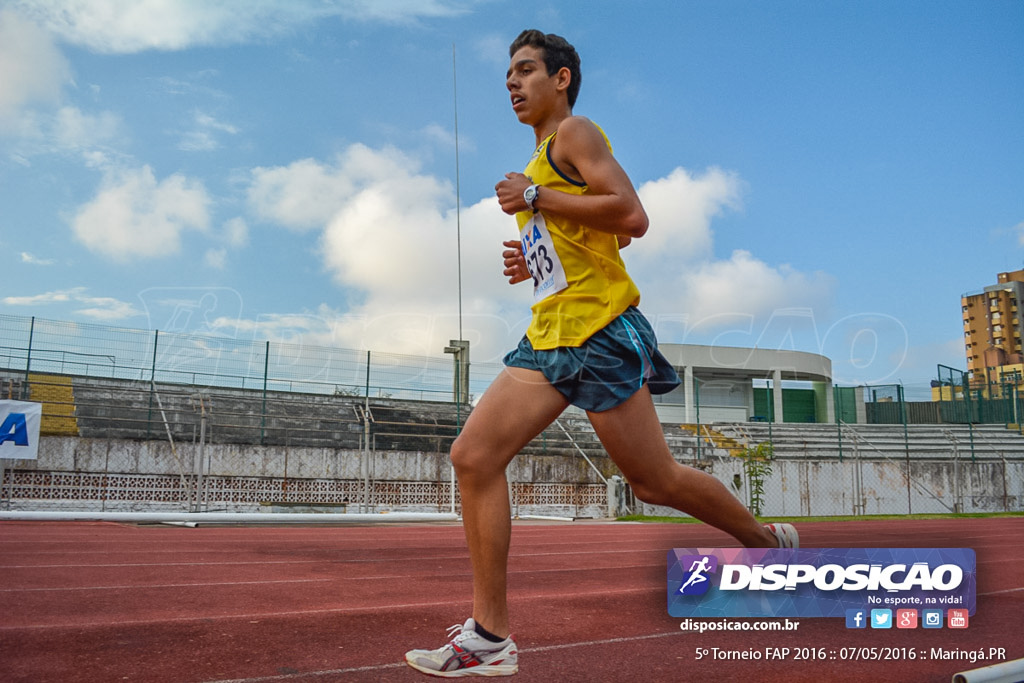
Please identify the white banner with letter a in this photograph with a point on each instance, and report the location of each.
(19, 429)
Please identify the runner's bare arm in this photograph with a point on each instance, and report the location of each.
(610, 203)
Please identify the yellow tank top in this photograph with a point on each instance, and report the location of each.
(580, 281)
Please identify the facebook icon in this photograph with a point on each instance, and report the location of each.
(856, 618)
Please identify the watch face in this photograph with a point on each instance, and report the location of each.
(529, 195)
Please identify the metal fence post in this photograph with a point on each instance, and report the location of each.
(1017, 411)
(1006, 492)
(970, 432)
(459, 348)
(263, 417)
(152, 383)
(106, 480)
(28, 359)
(5, 498)
(859, 470)
(838, 404)
(906, 443)
(366, 440)
(197, 460)
(958, 496)
(458, 431)
(696, 405)
(970, 409)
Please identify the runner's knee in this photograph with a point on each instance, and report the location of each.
(659, 488)
(470, 460)
(652, 493)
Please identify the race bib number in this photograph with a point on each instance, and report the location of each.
(541, 258)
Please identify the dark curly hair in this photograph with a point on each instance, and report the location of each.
(558, 53)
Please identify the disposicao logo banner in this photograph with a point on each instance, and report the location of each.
(818, 582)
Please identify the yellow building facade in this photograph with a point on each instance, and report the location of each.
(993, 332)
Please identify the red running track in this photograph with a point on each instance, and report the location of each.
(109, 602)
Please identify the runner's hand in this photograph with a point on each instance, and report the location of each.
(510, 193)
(515, 264)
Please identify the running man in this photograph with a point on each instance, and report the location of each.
(696, 570)
(587, 345)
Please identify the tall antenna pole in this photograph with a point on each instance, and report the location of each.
(458, 199)
(459, 360)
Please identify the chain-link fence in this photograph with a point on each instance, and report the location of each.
(122, 445)
(143, 420)
(966, 399)
(38, 345)
(798, 470)
(172, 421)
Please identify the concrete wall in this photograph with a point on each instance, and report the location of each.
(138, 475)
(810, 487)
(117, 456)
(142, 475)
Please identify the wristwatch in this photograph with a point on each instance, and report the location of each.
(530, 196)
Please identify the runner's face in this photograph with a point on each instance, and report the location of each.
(531, 89)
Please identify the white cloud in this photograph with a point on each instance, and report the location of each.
(33, 74)
(45, 298)
(100, 308)
(680, 278)
(76, 130)
(387, 238)
(124, 26)
(194, 85)
(203, 137)
(134, 216)
(33, 260)
(206, 121)
(189, 309)
(491, 48)
(407, 264)
(216, 258)
(739, 301)
(680, 207)
(389, 234)
(198, 141)
(440, 135)
(746, 286)
(236, 232)
(301, 196)
(32, 69)
(107, 308)
(1019, 230)
(68, 130)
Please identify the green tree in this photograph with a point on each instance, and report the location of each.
(757, 464)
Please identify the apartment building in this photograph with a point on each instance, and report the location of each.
(993, 331)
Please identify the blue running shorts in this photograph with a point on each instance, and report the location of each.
(607, 369)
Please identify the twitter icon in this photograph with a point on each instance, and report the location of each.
(881, 618)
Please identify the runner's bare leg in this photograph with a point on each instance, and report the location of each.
(517, 406)
(633, 437)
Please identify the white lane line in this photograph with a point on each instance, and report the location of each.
(396, 665)
(372, 609)
(161, 585)
(338, 579)
(1007, 590)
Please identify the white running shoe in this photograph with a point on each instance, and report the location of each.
(468, 654)
(786, 533)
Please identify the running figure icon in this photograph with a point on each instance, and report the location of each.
(697, 570)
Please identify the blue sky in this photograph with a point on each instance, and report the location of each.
(822, 176)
